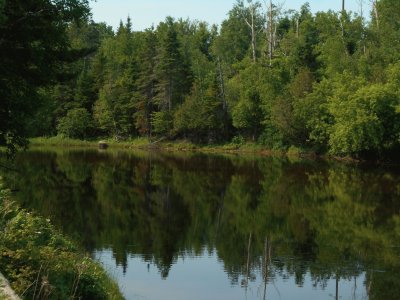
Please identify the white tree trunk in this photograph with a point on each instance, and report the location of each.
(271, 34)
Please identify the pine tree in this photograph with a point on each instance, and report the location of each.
(146, 83)
(172, 75)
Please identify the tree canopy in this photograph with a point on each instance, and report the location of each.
(34, 46)
(324, 81)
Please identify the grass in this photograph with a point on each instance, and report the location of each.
(239, 146)
(130, 143)
(61, 141)
(41, 263)
(144, 143)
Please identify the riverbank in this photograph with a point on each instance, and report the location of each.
(166, 145)
(241, 148)
(40, 263)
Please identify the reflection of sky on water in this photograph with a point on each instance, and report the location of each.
(203, 278)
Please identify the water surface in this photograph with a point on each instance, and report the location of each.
(191, 226)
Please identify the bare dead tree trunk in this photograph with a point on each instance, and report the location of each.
(253, 32)
(342, 18)
(271, 42)
(251, 24)
(355, 287)
(375, 10)
(369, 286)
(267, 259)
(364, 46)
(253, 39)
(337, 287)
(248, 261)
(342, 25)
(221, 207)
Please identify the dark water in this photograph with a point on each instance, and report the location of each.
(171, 227)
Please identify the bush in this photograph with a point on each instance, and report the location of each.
(294, 151)
(162, 122)
(365, 121)
(75, 124)
(238, 140)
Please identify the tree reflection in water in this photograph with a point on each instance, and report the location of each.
(264, 217)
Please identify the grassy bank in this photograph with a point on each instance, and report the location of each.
(74, 143)
(42, 264)
(166, 145)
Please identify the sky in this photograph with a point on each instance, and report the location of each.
(145, 13)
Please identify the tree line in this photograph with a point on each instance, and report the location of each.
(327, 82)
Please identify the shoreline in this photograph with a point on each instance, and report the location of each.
(185, 146)
(177, 145)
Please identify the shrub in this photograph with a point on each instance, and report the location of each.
(294, 151)
(162, 122)
(75, 124)
(238, 140)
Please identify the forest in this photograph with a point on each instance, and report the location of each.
(327, 82)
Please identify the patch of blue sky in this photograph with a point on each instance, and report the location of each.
(145, 13)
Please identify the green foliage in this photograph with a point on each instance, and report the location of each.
(34, 46)
(115, 107)
(40, 263)
(144, 98)
(238, 140)
(313, 110)
(75, 124)
(61, 141)
(186, 79)
(272, 138)
(162, 122)
(172, 73)
(294, 151)
(250, 95)
(102, 112)
(2, 16)
(200, 115)
(365, 119)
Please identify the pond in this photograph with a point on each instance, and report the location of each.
(193, 226)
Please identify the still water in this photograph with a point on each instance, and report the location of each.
(191, 226)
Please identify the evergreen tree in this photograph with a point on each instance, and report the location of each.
(34, 44)
(146, 83)
(172, 75)
(324, 81)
